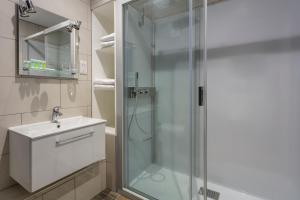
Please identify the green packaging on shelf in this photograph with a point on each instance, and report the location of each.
(38, 64)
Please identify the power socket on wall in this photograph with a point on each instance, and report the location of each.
(83, 67)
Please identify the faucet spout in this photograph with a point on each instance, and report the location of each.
(55, 114)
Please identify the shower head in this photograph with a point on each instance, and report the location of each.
(142, 19)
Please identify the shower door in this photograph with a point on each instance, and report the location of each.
(157, 79)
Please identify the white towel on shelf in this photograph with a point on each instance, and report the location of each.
(108, 38)
(107, 44)
(104, 82)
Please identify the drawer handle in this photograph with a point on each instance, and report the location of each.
(73, 139)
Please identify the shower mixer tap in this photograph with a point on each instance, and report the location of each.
(134, 91)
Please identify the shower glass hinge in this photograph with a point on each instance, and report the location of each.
(210, 193)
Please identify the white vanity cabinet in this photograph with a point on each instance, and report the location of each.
(43, 153)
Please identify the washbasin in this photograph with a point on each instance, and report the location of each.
(43, 153)
(47, 128)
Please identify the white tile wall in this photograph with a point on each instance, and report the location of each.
(20, 95)
(75, 93)
(7, 121)
(89, 183)
(7, 57)
(62, 192)
(7, 20)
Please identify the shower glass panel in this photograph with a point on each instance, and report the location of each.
(158, 87)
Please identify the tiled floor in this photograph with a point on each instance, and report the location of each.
(107, 194)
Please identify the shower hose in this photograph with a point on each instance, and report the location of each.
(134, 117)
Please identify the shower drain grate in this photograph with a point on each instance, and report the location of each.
(210, 193)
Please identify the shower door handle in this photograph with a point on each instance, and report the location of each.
(200, 96)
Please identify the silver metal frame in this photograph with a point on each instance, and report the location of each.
(120, 148)
(53, 29)
(75, 52)
(205, 178)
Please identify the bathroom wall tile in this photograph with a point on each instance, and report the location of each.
(63, 192)
(97, 3)
(19, 95)
(75, 93)
(88, 2)
(5, 123)
(15, 192)
(110, 161)
(7, 19)
(110, 176)
(91, 182)
(89, 22)
(7, 57)
(73, 9)
(88, 60)
(5, 180)
(110, 148)
(73, 112)
(89, 111)
(85, 41)
(34, 117)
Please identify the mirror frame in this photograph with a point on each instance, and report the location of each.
(74, 52)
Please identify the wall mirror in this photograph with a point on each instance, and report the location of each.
(48, 44)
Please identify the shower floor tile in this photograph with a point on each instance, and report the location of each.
(107, 194)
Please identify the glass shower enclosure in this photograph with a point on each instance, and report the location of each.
(160, 48)
(208, 99)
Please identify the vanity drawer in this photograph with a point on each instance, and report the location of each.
(57, 156)
(38, 162)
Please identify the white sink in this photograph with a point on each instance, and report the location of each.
(42, 129)
(45, 152)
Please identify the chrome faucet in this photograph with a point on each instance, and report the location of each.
(55, 114)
